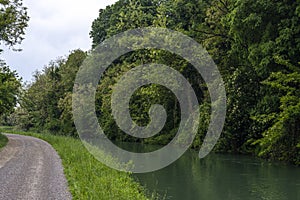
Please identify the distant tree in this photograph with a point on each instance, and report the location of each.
(47, 102)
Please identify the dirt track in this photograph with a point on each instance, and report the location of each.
(30, 169)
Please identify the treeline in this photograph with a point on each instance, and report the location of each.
(46, 103)
(255, 44)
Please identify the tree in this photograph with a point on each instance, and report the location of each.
(9, 89)
(255, 44)
(281, 140)
(40, 99)
(47, 102)
(68, 73)
(122, 16)
(13, 21)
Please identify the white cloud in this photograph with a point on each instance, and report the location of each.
(55, 28)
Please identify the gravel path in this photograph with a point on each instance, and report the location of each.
(30, 169)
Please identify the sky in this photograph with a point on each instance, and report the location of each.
(56, 27)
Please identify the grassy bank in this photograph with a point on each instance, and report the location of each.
(87, 177)
(3, 141)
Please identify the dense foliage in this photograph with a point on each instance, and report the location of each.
(46, 104)
(255, 44)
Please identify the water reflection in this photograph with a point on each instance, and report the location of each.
(215, 177)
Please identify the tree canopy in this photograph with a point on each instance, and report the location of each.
(255, 44)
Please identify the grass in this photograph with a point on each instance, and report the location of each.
(3, 141)
(87, 177)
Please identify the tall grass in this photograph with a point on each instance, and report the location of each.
(87, 177)
(3, 141)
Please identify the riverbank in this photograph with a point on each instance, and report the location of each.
(87, 177)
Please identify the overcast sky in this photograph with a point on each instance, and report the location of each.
(55, 28)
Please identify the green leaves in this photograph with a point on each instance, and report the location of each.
(255, 44)
(9, 89)
(13, 21)
(121, 16)
(281, 139)
(47, 102)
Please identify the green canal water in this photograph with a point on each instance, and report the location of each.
(223, 177)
